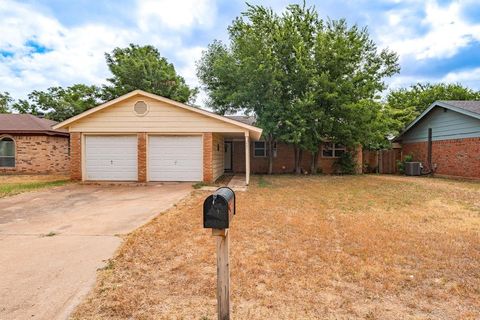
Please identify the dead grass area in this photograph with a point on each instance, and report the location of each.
(360, 247)
(15, 184)
(14, 179)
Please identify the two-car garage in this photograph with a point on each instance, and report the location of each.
(169, 157)
(143, 137)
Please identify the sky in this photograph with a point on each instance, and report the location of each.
(60, 43)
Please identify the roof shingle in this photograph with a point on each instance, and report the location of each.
(470, 105)
(27, 123)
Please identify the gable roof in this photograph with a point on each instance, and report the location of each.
(467, 107)
(27, 123)
(254, 132)
(244, 119)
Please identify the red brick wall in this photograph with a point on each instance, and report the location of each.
(40, 154)
(283, 163)
(142, 156)
(208, 157)
(459, 157)
(75, 156)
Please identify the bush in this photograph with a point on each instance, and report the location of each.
(401, 164)
(346, 164)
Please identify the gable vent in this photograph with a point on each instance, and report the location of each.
(140, 108)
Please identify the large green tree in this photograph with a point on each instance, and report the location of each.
(5, 102)
(306, 80)
(142, 67)
(58, 103)
(405, 104)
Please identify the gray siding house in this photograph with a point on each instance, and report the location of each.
(455, 134)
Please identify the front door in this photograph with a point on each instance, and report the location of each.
(228, 156)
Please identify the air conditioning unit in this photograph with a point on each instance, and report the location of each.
(413, 168)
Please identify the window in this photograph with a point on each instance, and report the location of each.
(333, 150)
(7, 152)
(259, 149)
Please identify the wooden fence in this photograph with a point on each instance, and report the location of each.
(381, 161)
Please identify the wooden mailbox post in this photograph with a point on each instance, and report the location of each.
(218, 211)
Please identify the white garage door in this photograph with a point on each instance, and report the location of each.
(175, 158)
(111, 158)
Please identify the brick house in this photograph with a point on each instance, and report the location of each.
(145, 137)
(455, 138)
(283, 154)
(29, 145)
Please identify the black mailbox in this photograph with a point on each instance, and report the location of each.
(218, 209)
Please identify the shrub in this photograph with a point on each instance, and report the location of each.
(346, 164)
(401, 164)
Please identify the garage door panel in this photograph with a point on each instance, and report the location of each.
(111, 158)
(190, 163)
(175, 158)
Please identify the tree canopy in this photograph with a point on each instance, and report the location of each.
(405, 104)
(5, 101)
(134, 67)
(142, 67)
(305, 79)
(58, 103)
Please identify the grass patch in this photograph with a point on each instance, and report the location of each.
(262, 183)
(199, 185)
(9, 189)
(50, 234)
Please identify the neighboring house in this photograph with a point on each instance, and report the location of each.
(29, 145)
(455, 137)
(144, 137)
(283, 154)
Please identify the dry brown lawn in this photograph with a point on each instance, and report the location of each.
(15, 184)
(16, 179)
(360, 247)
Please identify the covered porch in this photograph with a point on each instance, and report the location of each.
(223, 159)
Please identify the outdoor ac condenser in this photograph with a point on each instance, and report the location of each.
(413, 168)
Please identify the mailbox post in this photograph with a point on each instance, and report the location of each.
(218, 211)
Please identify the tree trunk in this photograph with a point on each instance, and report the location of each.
(314, 165)
(270, 154)
(298, 159)
(295, 161)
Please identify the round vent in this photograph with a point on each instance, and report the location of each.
(140, 108)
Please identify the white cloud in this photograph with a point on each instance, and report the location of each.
(188, 58)
(76, 54)
(470, 78)
(446, 32)
(176, 15)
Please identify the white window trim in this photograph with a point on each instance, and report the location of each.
(264, 149)
(334, 149)
(14, 153)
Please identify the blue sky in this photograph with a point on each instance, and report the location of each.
(57, 42)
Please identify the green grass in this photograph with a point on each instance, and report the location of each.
(10, 189)
(199, 185)
(262, 183)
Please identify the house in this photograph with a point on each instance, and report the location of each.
(455, 138)
(144, 137)
(29, 145)
(283, 154)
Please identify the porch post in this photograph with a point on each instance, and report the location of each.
(247, 158)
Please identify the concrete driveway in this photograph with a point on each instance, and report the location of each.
(53, 241)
